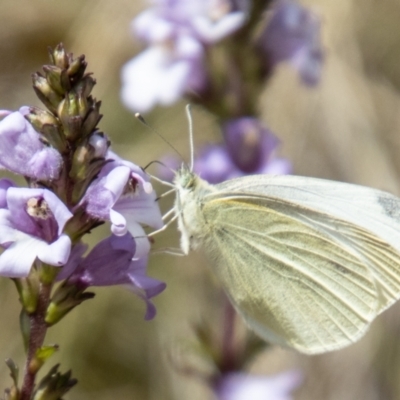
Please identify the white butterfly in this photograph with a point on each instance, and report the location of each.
(308, 263)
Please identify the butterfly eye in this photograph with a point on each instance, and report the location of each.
(186, 179)
(190, 184)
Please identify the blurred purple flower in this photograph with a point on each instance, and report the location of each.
(123, 195)
(162, 74)
(178, 32)
(239, 386)
(208, 21)
(293, 34)
(249, 149)
(23, 152)
(31, 225)
(110, 263)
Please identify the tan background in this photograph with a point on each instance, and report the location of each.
(348, 128)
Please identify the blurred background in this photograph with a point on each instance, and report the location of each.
(347, 128)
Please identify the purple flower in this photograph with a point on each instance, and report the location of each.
(239, 386)
(161, 74)
(249, 149)
(293, 34)
(178, 32)
(110, 263)
(31, 225)
(249, 143)
(208, 21)
(123, 195)
(23, 152)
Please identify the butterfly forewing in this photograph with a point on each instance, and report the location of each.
(293, 272)
(371, 209)
(382, 260)
(376, 211)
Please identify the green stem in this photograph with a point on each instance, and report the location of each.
(38, 329)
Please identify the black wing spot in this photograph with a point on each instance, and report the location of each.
(390, 205)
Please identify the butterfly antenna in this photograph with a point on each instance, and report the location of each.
(190, 121)
(143, 121)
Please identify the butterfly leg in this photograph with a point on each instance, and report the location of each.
(169, 250)
(165, 194)
(165, 226)
(162, 182)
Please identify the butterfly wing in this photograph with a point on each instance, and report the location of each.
(376, 211)
(299, 276)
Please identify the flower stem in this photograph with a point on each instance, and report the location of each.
(228, 339)
(38, 329)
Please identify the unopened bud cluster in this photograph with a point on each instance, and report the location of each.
(69, 124)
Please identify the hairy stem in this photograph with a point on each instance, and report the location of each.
(38, 329)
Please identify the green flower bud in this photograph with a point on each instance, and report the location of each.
(14, 371)
(66, 298)
(77, 68)
(85, 86)
(58, 56)
(41, 356)
(68, 112)
(47, 95)
(57, 79)
(54, 385)
(49, 126)
(93, 117)
(13, 393)
(28, 290)
(38, 117)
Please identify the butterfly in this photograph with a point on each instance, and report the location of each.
(308, 263)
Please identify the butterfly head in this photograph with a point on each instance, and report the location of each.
(185, 178)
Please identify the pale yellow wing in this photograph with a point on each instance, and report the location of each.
(299, 277)
(375, 211)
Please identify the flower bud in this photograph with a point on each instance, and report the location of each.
(69, 113)
(28, 290)
(92, 118)
(54, 385)
(38, 117)
(77, 68)
(48, 125)
(47, 95)
(68, 107)
(85, 86)
(66, 298)
(13, 393)
(81, 159)
(58, 56)
(54, 138)
(57, 79)
(82, 103)
(41, 356)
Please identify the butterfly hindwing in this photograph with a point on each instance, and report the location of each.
(299, 277)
